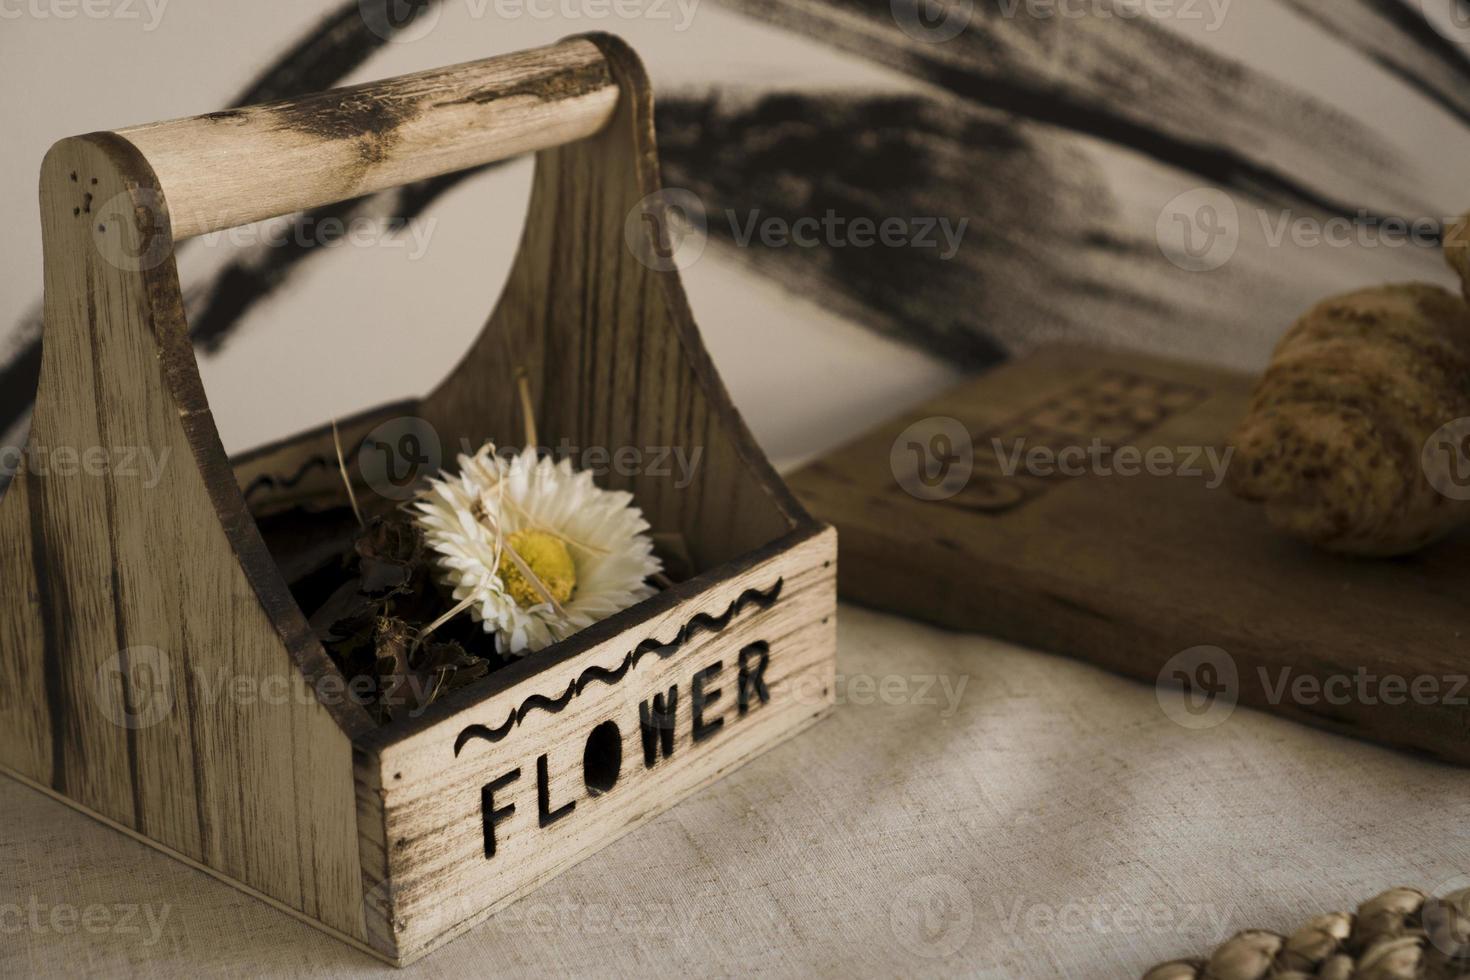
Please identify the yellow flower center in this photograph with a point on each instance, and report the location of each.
(547, 557)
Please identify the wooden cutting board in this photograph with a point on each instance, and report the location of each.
(1158, 574)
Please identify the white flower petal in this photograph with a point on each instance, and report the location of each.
(605, 534)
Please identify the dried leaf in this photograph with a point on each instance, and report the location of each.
(372, 621)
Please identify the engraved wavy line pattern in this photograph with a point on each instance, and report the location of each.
(270, 480)
(663, 649)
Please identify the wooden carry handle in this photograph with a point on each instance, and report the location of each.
(231, 168)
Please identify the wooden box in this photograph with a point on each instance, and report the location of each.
(157, 672)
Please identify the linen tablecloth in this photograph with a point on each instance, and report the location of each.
(969, 808)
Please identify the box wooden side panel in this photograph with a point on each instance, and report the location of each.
(152, 686)
(483, 807)
(26, 743)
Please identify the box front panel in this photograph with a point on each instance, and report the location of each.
(483, 807)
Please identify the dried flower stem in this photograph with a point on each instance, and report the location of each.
(528, 412)
(423, 634)
(346, 480)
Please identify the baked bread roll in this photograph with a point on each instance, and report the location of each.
(1336, 444)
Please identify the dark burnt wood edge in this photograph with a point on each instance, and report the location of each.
(181, 374)
(545, 83)
(630, 621)
(375, 869)
(634, 86)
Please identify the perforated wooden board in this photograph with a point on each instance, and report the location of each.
(1129, 569)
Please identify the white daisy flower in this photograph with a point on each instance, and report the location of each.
(585, 548)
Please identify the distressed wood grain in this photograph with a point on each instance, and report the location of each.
(1128, 568)
(159, 673)
(140, 608)
(459, 852)
(353, 141)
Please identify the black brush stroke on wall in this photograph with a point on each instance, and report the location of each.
(342, 42)
(1398, 38)
(794, 157)
(890, 290)
(1027, 209)
(1136, 84)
